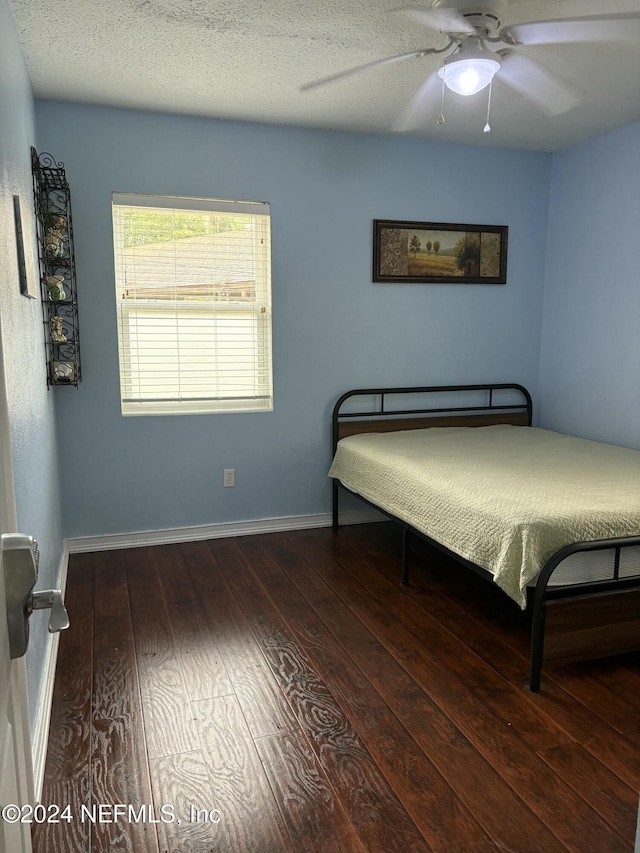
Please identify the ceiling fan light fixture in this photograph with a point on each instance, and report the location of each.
(470, 70)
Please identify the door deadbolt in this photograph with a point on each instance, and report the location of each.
(20, 558)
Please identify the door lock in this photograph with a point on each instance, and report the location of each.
(20, 558)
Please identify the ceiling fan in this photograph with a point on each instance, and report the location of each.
(480, 48)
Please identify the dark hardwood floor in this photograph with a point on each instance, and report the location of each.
(284, 692)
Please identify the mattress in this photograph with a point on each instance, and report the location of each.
(504, 497)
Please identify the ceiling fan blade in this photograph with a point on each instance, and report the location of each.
(444, 20)
(597, 28)
(535, 83)
(412, 116)
(349, 72)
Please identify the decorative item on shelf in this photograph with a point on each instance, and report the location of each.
(57, 335)
(56, 290)
(57, 270)
(64, 371)
(56, 235)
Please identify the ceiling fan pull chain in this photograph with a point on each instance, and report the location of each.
(441, 119)
(487, 127)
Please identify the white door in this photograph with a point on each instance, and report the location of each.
(16, 769)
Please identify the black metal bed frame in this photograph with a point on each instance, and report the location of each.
(542, 593)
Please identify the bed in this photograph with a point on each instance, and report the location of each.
(552, 519)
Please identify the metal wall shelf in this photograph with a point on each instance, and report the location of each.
(57, 270)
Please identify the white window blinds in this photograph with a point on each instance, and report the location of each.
(193, 293)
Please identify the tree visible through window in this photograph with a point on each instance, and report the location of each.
(193, 290)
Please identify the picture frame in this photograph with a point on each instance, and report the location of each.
(26, 270)
(439, 252)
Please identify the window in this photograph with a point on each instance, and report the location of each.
(193, 293)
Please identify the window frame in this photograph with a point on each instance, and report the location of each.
(258, 309)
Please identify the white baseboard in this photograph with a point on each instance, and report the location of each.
(113, 541)
(40, 731)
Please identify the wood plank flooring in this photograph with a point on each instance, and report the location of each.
(284, 692)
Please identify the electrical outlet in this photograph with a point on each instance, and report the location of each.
(229, 477)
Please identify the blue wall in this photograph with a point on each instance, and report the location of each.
(31, 408)
(333, 328)
(590, 362)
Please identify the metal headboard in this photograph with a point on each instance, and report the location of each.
(380, 409)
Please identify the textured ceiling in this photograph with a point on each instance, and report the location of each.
(234, 59)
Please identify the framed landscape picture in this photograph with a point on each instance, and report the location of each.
(439, 252)
(26, 268)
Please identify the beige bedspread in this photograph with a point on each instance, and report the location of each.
(504, 497)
